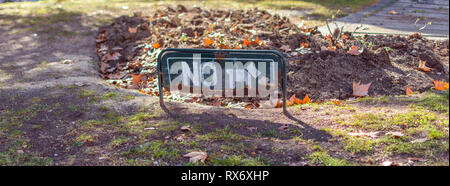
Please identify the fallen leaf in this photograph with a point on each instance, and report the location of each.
(246, 42)
(343, 36)
(420, 140)
(80, 84)
(186, 128)
(328, 37)
(361, 90)
(304, 45)
(111, 56)
(337, 102)
(252, 128)
(284, 127)
(354, 51)
(285, 48)
(395, 134)
(156, 45)
(423, 67)
(255, 42)
(136, 79)
(292, 99)
(306, 99)
(438, 85)
(132, 30)
(196, 156)
(366, 134)
(408, 91)
(207, 42)
(279, 104)
(393, 12)
(388, 163)
(180, 138)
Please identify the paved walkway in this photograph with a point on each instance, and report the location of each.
(399, 17)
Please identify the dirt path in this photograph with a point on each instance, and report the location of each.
(399, 17)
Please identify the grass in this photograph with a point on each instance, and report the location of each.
(434, 101)
(323, 158)
(382, 121)
(237, 160)
(225, 134)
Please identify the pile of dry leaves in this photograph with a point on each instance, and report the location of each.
(337, 66)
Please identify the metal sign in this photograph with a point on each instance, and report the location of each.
(222, 73)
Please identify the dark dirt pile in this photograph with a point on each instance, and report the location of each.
(319, 66)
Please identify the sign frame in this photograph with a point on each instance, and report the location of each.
(193, 50)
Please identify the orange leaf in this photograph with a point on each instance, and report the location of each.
(136, 78)
(361, 90)
(438, 85)
(306, 99)
(422, 66)
(343, 36)
(156, 45)
(332, 48)
(279, 104)
(354, 51)
(298, 101)
(328, 37)
(132, 30)
(337, 102)
(292, 99)
(246, 42)
(289, 103)
(208, 42)
(256, 42)
(304, 45)
(408, 91)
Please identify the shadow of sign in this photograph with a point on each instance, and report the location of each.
(222, 73)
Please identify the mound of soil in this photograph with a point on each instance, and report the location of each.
(319, 66)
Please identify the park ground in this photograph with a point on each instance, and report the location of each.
(56, 110)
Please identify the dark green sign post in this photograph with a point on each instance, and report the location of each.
(222, 73)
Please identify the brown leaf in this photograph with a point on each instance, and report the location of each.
(285, 48)
(422, 66)
(136, 79)
(388, 163)
(284, 127)
(186, 128)
(252, 128)
(393, 12)
(366, 134)
(354, 51)
(111, 56)
(196, 156)
(408, 91)
(438, 85)
(395, 134)
(361, 90)
(132, 30)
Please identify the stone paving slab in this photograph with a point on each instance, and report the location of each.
(378, 19)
